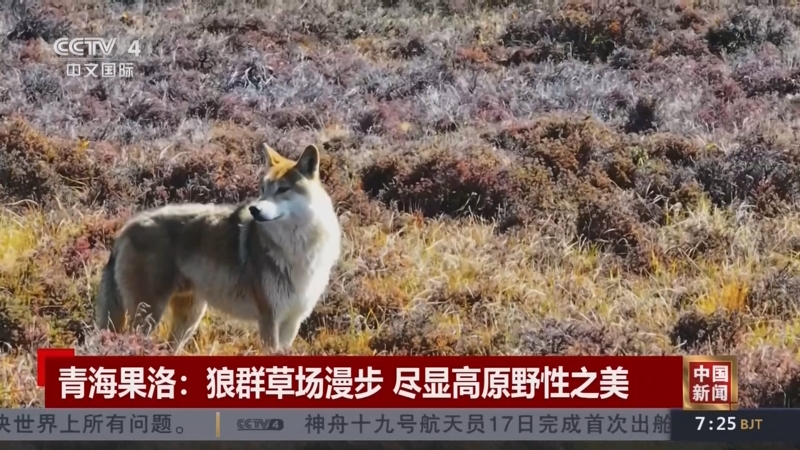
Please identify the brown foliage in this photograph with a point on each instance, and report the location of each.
(760, 171)
(571, 149)
(200, 178)
(588, 33)
(718, 333)
(776, 295)
(769, 377)
(444, 184)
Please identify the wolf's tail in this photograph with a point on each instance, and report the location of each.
(109, 310)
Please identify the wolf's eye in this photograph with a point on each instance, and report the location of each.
(281, 190)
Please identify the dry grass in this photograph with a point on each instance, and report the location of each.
(510, 180)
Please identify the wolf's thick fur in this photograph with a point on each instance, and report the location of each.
(267, 261)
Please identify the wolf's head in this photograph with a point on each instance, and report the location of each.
(291, 191)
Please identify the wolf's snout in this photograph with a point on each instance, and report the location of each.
(265, 211)
(258, 215)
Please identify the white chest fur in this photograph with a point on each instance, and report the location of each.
(309, 263)
(318, 271)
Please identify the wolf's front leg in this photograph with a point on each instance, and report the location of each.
(288, 331)
(268, 325)
(269, 330)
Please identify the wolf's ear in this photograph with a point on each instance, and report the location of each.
(308, 164)
(271, 157)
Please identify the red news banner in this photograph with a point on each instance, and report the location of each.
(362, 382)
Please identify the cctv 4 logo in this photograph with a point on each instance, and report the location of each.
(260, 424)
(90, 47)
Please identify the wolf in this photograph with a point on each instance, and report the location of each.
(268, 260)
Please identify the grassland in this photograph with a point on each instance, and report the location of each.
(510, 179)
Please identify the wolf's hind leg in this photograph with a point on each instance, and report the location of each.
(186, 313)
(146, 286)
